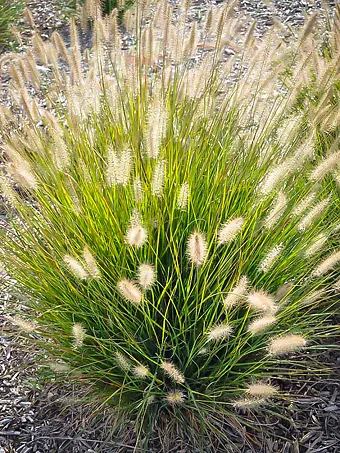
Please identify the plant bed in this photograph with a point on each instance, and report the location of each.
(302, 309)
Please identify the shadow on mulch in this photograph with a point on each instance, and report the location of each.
(52, 422)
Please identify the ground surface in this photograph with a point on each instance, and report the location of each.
(33, 417)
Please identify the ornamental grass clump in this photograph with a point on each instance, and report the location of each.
(168, 200)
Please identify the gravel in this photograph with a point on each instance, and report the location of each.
(33, 416)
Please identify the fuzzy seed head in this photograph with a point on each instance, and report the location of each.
(138, 190)
(146, 276)
(29, 18)
(260, 301)
(249, 403)
(8, 191)
(313, 214)
(229, 230)
(91, 264)
(158, 179)
(238, 293)
(260, 390)
(197, 248)
(23, 174)
(276, 177)
(327, 265)
(285, 344)
(129, 291)
(328, 165)
(314, 296)
(135, 219)
(283, 290)
(140, 371)
(78, 334)
(175, 397)
(118, 167)
(75, 202)
(304, 204)
(23, 324)
(59, 367)
(277, 211)
(336, 177)
(60, 152)
(136, 236)
(76, 267)
(183, 196)
(156, 127)
(317, 245)
(122, 361)
(260, 324)
(208, 21)
(336, 285)
(219, 332)
(173, 373)
(191, 44)
(270, 258)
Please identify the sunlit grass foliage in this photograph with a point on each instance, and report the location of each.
(176, 232)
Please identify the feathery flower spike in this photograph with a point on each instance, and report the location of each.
(78, 333)
(118, 167)
(268, 261)
(23, 324)
(314, 296)
(156, 127)
(304, 204)
(336, 285)
(136, 236)
(277, 176)
(260, 324)
(182, 201)
(219, 332)
(197, 248)
(229, 230)
(146, 275)
(175, 397)
(261, 390)
(138, 190)
(76, 267)
(122, 361)
(259, 300)
(237, 293)
(140, 371)
(327, 265)
(23, 174)
(158, 179)
(276, 212)
(317, 245)
(328, 165)
(285, 344)
(130, 291)
(249, 403)
(173, 373)
(8, 191)
(313, 214)
(91, 264)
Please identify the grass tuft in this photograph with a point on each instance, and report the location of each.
(169, 196)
